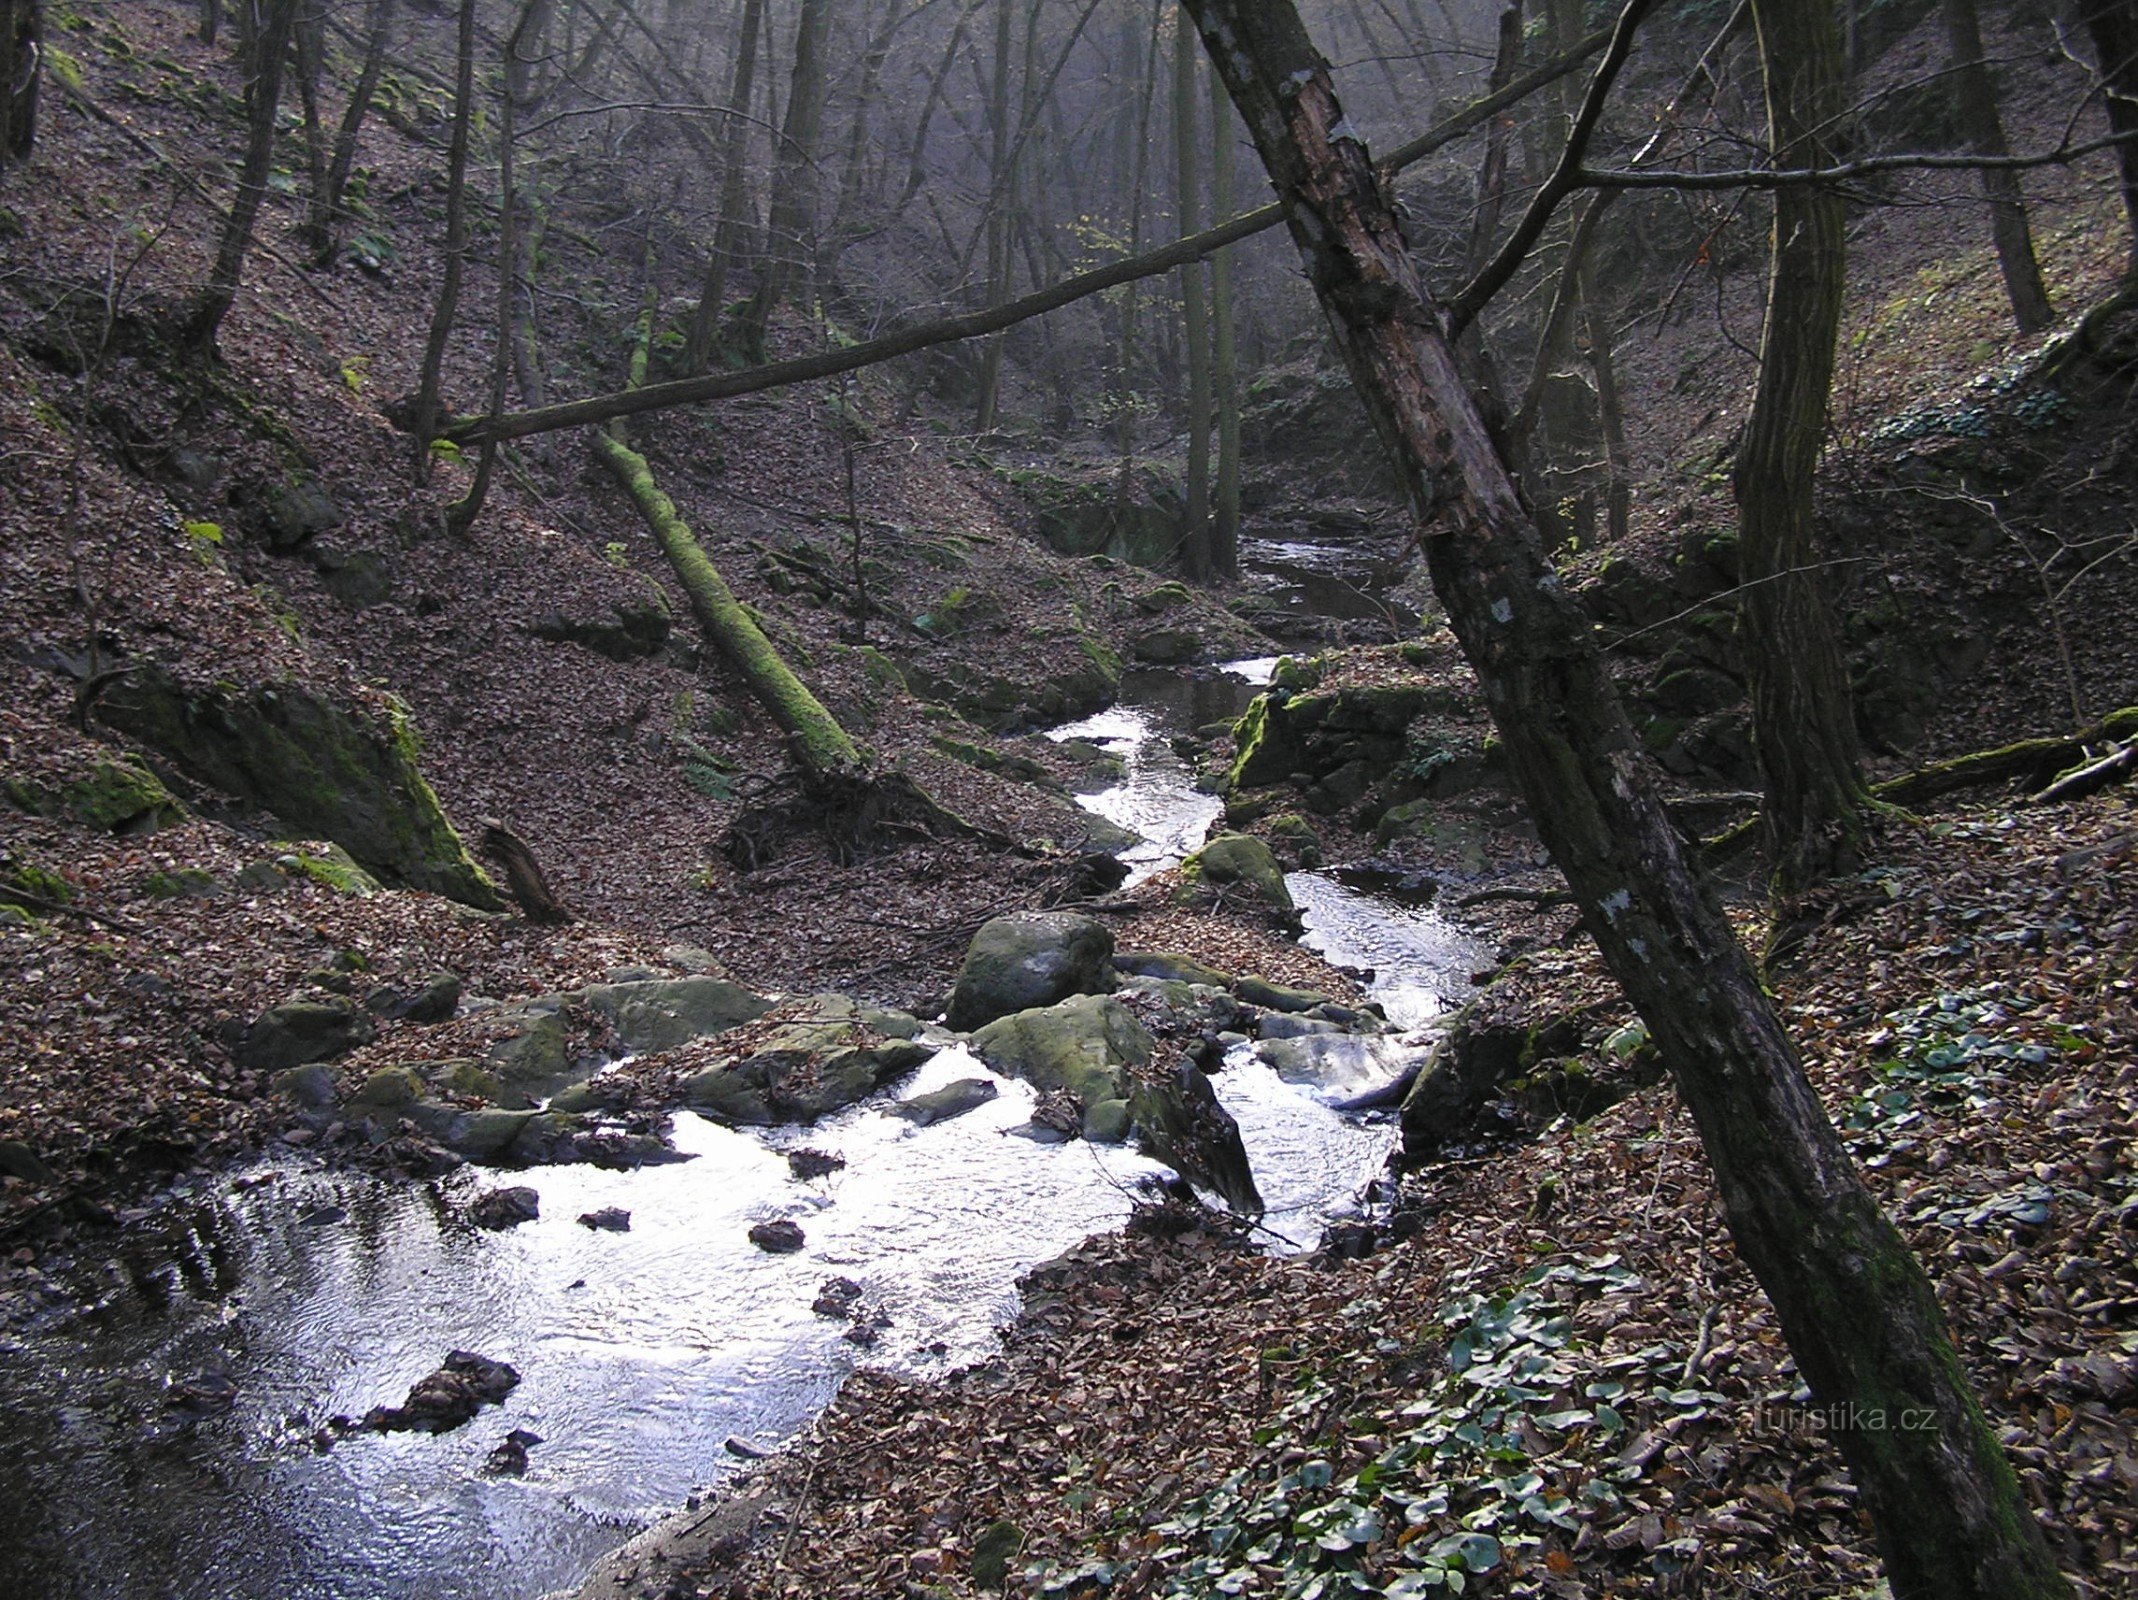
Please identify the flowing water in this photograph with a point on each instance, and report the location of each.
(642, 1353)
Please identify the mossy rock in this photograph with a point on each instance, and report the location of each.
(302, 1031)
(665, 1012)
(1166, 647)
(1031, 959)
(331, 868)
(182, 883)
(115, 796)
(1277, 997)
(1085, 1044)
(804, 1071)
(1297, 836)
(1268, 744)
(322, 769)
(1168, 968)
(1427, 822)
(1236, 858)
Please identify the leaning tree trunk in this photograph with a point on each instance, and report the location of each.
(1803, 724)
(429, 384)
(1860, 1316)
(1194, 310)
(264, 98)
(1000, 203)
(1977, 96)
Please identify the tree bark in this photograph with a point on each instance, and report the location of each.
(1195, 313)
(729, 236)
(2014, 239)
(326, 199)
(21, 72)
(1859, 1313)
(1803, 723)
(263, 98)
(997, 220)
(427, 411)
(523, 874)
(1224, 340)
(2113, 27)
(792, 225)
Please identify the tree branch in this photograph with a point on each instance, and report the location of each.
(1869, 166)
(978, 324)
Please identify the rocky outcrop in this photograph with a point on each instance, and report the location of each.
(1032, 959)
(324, 770)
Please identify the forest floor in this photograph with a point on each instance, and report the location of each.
(1169, 1397)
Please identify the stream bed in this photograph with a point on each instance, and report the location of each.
(642, 1353)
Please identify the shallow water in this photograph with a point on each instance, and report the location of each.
(642, 1353)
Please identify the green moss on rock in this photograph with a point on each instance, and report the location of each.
(116, 796)
(323, 769)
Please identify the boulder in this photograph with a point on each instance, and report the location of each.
(429, 997)
(448, 1397)
(310, 1086)
(1166, 647)
(835, 1054)
(1237, 858)
(609, 1219)
(18, 1160)
(326, 770)
(504, 1208)
(665, 1012)
(1032, 959)
(778, 1238)
(1170, 968)
(952, 1100)
(1178, 1120)
(389, 1089)
(1275, 997)
(1085, 1045)
(302, 1031)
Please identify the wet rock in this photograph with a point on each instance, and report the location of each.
(448, 1397)
(609, 1219)
(1275, 997)
(1179, 1121)
(483, 1135)
(323, 1216)
(547, 1137)
(1168, 647)
(1170, 968)
(1083, 1045)
(1032, 959)
(952, 1100)
(1341, 1066)
(1283, 1025)
(742, 1450)
(837, 1298)
(432, 997)
(838, 1053)
(779, 1238)
(208, 1393)
(300, 1032)
(807, 1164)
(1236, 860)
(504, 1208)
(509, 1459)
(1106, 1122)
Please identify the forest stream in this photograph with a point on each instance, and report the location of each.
(654, 1361)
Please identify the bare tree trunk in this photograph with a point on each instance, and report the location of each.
(1225, 506)
(1802, 720)
(311, 42)
(326, 198)
(794, 185)
(426, 410)
(1492, 174)
(1195, 315)
(2113, 26)
(1125, 421)
(263, 98)
(997, 220)
(730, 234)
(21, 72)
(2000, 185)
(1860, 1316)
(1610, 412)
(211, 20)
